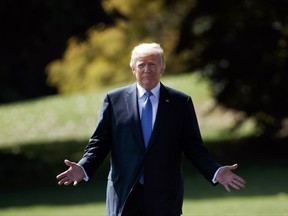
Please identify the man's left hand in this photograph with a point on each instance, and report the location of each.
(228, 179)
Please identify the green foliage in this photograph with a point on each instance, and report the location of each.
(103, 58)
(241, 46)
(33, 33)
(237, 45)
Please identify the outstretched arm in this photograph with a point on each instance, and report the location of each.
(228, 179)
(73, 174)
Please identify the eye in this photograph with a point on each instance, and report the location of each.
(141, 66)
(152, 65)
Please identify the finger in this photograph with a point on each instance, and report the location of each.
(62, 175)
(227, 188)
(234, 166)
(63, 180)
(240, 184)
(68, 163)
(68, 182)
(239, 179)
(235, 186)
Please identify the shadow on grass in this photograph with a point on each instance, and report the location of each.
(28, 173)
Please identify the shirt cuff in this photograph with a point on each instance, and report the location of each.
(215, 175)
(86, 178)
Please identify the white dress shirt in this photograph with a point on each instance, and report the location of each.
(153, 98)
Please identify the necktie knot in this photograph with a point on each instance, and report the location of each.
(148, 94)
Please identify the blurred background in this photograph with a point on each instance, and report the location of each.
(58, 58)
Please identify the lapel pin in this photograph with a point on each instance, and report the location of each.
(167, 100)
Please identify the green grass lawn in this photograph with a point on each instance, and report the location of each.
(248, 206)
(48, 130)
(266, 194)
(64, 117)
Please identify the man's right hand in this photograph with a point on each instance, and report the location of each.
(74, 174)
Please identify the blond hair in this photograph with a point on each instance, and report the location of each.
(146, 49)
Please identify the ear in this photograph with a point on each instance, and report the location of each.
(133, 70)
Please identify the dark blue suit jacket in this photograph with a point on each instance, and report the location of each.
(175, 132)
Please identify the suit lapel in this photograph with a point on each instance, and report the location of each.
(133, 114)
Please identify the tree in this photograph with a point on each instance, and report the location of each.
(103, 58)
(33, 33)
(241, 46)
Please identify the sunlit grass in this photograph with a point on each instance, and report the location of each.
(47, 210)
(67, 118)
(63, 117)
(244, 206)
(50, 118)
(274, 205)
(223, 205)
(266, 194)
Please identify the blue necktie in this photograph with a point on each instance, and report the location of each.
(146, 122)
(146, 118)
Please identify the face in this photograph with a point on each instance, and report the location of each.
(148, 71)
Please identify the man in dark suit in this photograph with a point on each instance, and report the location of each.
(146, 134)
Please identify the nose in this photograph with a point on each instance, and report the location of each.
(146, 68)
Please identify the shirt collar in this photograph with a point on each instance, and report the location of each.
(155, 91)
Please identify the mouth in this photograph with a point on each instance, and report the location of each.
(147, 77)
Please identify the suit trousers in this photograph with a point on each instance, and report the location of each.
(135, 203)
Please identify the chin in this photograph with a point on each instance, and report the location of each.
(149, 86)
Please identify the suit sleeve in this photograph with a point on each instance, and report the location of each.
(193, 147)
(99, 144)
